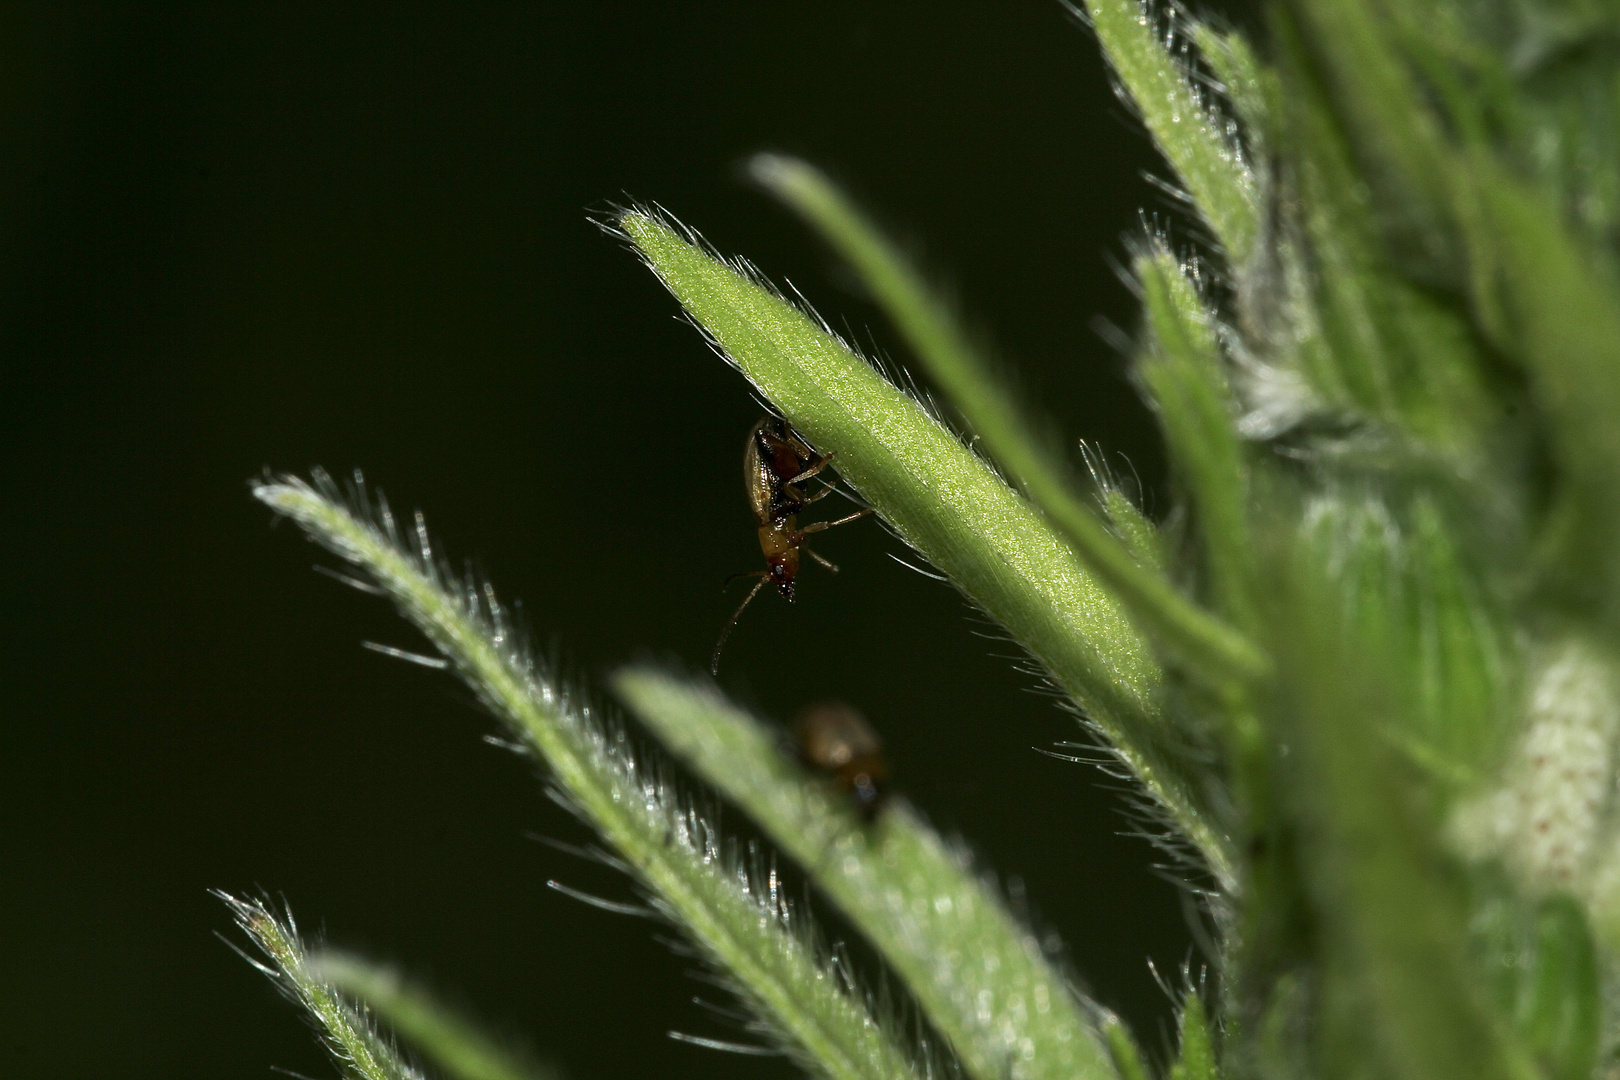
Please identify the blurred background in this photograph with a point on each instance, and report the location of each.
(246, 237)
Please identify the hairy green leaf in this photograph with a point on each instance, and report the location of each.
(1185, 376)
(1197, 1060)
(1197, 141)
(1395, 979)
(356, 1047)
(731, 910)
(1563, 1008)
(949, 506)
(454, 1042)
(1211, 648)
(979, 975)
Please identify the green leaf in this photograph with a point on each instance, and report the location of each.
(1395, 982)
(952, 508)
(1247, 83)
(978, 974)
(455, 1043)
(1127, 1057)
(1197, 1060)
(1377, 351)
(1402, 585)
(732, 911)
(1541, 965)
(1214, 650)
(1196, 140)
(356, 1047)
(1463, 667)
(1562, 316)
(1457, 216)
(1139, 535)
(1562, 1015)
(1185, 375)
(1349, 50)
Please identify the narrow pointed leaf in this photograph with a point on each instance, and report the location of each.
(1564, 308)
(733, 912)
(978, 974)
(1195, 139)
(356, 1047)
(453, 1042)
(1184, 372)
(1197, 1061)
(1139, 535)
(1244, 79)
(1563, 1008)
(949, 506)
(1396, 139)
(1127, 1057)
(1213, 649)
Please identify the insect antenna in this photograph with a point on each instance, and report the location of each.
(714, 662)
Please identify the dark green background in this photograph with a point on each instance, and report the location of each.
(239, 237)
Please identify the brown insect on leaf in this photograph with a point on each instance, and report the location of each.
(776, 461)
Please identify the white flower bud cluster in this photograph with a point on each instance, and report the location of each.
(1551, 821)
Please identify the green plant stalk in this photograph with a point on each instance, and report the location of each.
(1194, 139)
(358, 1050)
(462, 1050)
(1216, 651)
(979, 976)
(737, 918)
(949, 506)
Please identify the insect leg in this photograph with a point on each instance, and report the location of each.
(822, 559)
(820, 525)
(714, 661)
(820, 463)
(826, 490)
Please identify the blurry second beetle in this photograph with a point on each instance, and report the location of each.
(836, 740)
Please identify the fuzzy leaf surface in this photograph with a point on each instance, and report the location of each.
(949, 506)
(359, 1051)
(1197, 141)
(980, 976)
(455, 1043)
(732, 911)
(1216, 651)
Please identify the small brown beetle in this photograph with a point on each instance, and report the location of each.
(836, 740)
(776, 460)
